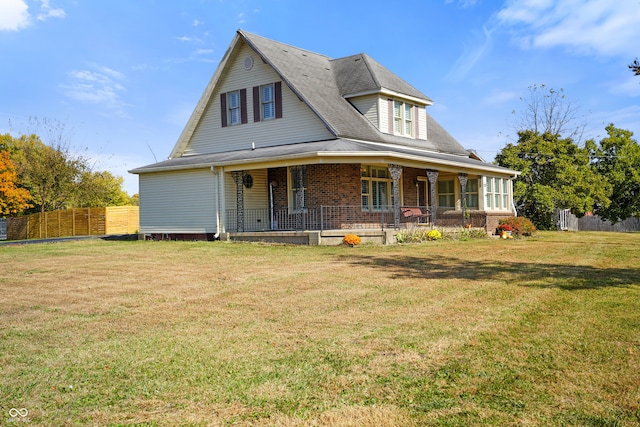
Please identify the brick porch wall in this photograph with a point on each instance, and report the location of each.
(327, 185)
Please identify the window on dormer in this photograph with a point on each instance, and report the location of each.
(403, 120)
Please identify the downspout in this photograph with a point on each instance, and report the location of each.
(217, 176)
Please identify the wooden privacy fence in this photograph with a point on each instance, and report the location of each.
(565, 220)
(75, 222)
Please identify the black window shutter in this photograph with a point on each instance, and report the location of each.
(277, 88)
(256, 103)
(223, 109)
(243, 106)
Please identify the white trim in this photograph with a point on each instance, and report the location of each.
(388, 92)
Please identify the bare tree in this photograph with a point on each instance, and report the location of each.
(549, 111)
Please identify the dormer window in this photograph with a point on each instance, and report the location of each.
(403, 118)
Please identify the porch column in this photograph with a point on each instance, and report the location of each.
(299, 175)
(237, 177)
(463, 187)
(433, 178)
(396, 171)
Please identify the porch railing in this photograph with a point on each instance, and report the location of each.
(322, 218)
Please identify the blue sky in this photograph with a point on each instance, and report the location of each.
(124, 75)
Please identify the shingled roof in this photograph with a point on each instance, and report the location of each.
(323, 82)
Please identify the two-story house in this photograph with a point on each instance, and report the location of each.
(284, 139)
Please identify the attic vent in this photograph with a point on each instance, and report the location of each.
(248, 63)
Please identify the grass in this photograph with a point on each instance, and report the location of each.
(528, 332)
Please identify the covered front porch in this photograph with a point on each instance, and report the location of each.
(359, 196)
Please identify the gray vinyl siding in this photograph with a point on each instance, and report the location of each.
(368, 106)
(298, 124)
(178, 202)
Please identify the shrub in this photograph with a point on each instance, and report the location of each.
(351, 240)
(505, 227)
(520, 226)
(434, 235)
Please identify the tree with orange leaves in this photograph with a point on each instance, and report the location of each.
(13, 199)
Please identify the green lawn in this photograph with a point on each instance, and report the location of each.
(542, 331)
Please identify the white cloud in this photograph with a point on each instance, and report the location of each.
(603, 27)
(470, 57)
(46, 11)
(98, 85)
(629, 86)
(14, 15)
(500, 97)
(463, 3)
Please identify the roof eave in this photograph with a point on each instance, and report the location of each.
(347, 156)
(288, 82)
(388, 92)
(196, 115)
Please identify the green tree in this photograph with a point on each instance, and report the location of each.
(619, 161)
(555, 173)
(49, 173)
(635, 67)
(99, 189)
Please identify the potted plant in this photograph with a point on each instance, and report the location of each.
(504, 230)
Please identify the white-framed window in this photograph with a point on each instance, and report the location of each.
(403, 120)
(472, 194)
(505, 194)
(446, 194)
(267, 102)
(376, 188)
(496, 192)
(298, 197)
(233, 107)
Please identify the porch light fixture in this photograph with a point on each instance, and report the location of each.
(247, 180)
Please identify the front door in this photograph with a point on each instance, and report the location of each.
(423, 192)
